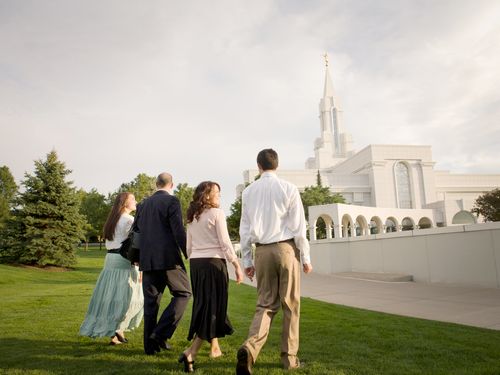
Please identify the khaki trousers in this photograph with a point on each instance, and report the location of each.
(277, 270)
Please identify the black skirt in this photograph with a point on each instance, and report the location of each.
(209, 281)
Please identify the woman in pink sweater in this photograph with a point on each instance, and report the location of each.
(208, 248)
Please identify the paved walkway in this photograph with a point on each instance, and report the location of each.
(472, 306)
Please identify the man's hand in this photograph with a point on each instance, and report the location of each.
(250, 272)
(307, 268)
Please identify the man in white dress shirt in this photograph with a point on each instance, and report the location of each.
(273, 219)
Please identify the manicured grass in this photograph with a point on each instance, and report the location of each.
(41, 312)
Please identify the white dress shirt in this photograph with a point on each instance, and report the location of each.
(272, 211)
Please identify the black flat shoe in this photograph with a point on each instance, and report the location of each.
(121, 338)
(188, 365)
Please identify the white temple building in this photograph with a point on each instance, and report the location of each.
(388, 188)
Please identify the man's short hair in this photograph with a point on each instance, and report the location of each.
(268, 159)
(163, 180)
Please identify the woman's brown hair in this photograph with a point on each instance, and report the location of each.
(114, 215)
(201, 200)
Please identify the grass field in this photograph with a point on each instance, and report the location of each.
(41, 312)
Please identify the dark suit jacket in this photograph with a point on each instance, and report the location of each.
(162, 235)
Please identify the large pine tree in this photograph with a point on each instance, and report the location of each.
(46, 224)
(8, 190)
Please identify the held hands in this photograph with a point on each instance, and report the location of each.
(239, 274)
(307, 268)
(250, 272)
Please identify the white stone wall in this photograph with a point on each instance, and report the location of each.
(463, 255)
(354, 164)
(337, 212)
(446, 181)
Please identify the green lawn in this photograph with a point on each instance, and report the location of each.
(41, 312)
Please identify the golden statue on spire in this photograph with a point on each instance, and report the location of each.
(326, 59)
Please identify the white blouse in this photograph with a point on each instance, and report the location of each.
(121, 231)
(208, 237)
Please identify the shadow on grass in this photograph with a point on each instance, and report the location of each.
(70, 357)
(87, 356)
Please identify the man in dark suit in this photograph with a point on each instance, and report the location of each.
(162, 238)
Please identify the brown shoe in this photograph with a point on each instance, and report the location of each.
(298, 364)
(245, 362)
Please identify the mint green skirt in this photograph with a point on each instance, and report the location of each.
(117, 301)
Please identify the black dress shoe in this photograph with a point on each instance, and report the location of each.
(152, 348)
(188, 365)
(121, 338)
(245, 362)
(160, 342)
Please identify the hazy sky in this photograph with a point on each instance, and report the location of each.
(197, 88)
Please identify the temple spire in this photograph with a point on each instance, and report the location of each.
(328, 90)
(334, 144)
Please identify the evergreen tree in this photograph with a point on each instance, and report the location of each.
(12, 239)
(488, 205)
(8, 190)
(46, 224)
(185, 195)
(318, 179)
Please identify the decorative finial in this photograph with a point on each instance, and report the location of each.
(326, 59)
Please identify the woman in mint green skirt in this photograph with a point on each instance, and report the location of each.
(117, 302)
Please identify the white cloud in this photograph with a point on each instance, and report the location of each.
(197, 88)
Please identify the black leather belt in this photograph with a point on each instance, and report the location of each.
(272, 243)
(114, 251)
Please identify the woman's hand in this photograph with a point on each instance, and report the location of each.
(238, 272)
(239, 275)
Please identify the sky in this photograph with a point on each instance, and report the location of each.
(197, 88)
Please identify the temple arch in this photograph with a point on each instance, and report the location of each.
(463, 217)
(391, 224)
(361, 226)
(424, 223)
(376, 225)
(347, 226)
(323, 227)
(407, 224)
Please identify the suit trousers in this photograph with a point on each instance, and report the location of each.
(277, 268)
(153, 286)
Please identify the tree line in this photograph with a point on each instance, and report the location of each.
(42, 224)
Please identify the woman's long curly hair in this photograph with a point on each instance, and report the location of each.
(201, 200)
(114, 215)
